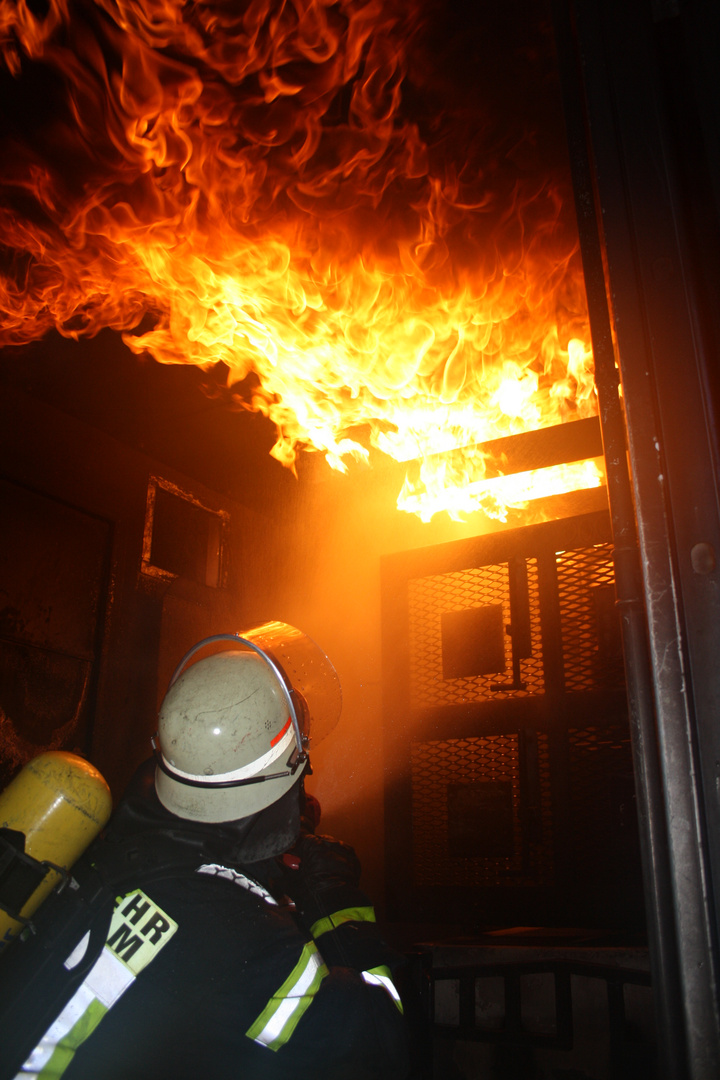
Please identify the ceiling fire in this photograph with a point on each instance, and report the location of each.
(306, 198)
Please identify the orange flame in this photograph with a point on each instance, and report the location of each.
(249, 179)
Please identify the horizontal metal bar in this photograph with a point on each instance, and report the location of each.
(513, 968)
(576, 440)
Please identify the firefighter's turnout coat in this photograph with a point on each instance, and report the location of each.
(169, 957)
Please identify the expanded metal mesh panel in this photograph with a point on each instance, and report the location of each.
(543, 850)
(601, 793)
(592, 650)
(482, 777)
(429, 598)
(501, 808)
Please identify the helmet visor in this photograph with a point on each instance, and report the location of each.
(307, 671)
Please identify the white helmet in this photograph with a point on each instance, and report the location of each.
(234, 728)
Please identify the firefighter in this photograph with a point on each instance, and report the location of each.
(208, 933)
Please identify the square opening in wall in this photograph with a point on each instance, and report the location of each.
(473, 642)
(183, 538)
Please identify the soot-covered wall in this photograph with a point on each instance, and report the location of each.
(95, 612)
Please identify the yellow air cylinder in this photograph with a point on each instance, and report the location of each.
(60, 802)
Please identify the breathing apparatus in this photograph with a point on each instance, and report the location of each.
(56, 805)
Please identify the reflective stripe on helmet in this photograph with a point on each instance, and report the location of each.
(380, 976)
(281, 1015)
(280, 734)
(253, 768)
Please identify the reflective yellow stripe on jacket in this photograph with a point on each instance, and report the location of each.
(281, 1015)
(351, 914)
(380, 976)
(138, 931)
(377, 976)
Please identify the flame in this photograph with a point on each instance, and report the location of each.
(436, 491)
(247, 180)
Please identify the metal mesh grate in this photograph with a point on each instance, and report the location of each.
(501, 804)
(592, 649)
(602, 795)
(542, 851)
(438, 768)
(430, 597)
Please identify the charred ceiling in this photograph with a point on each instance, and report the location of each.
(353, 219)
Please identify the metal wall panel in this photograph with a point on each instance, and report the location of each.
(54, 563)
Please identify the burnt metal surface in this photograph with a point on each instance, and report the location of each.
(637, 82)
(539, 449)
